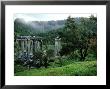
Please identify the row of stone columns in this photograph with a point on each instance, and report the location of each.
(29, 45)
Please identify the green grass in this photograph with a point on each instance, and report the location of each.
(86, 68)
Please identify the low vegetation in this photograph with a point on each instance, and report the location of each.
(86, 68)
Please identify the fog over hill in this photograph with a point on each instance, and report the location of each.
(39, 26)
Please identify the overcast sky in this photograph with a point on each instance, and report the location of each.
(47, 17)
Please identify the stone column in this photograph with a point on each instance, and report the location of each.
(35, 46)
(28, 46)
(41, 44)
(38, 45)
(25, 45)
(57, 46)
(31, 47)
(22, 45)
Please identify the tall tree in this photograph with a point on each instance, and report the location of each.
(78, 35)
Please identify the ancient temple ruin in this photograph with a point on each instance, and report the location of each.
(29, 44)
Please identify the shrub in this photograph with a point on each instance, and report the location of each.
(37, 55)
(19, 68)
(50, 53)
(18, 62)
(91, 57)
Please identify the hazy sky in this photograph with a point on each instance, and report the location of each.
(47, 17)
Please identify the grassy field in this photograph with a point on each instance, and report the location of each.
(86, 68)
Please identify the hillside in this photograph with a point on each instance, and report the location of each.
(37, 26)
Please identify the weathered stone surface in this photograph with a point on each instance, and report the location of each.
(29, 44)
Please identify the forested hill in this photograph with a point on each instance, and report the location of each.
(38, 27)
(20, 26)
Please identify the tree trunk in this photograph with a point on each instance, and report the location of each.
(83, 53)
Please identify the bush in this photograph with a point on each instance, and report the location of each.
(19, 68)
(74, 56)
(18, 62)
(50, 53)
(66, 49)
(37, 55)
(91, 57)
